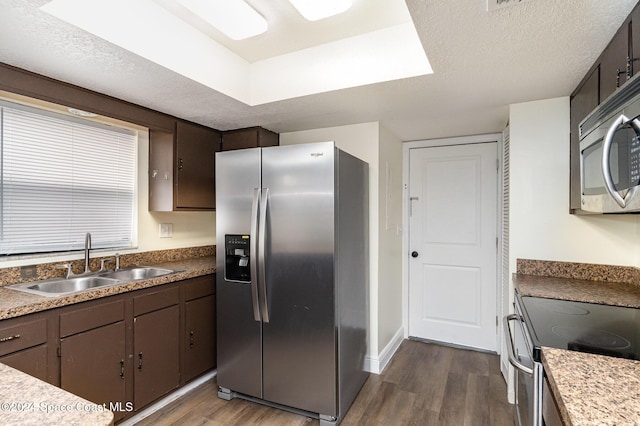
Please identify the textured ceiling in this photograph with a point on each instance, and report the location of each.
(482, 62)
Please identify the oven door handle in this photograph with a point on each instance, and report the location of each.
(511, 353)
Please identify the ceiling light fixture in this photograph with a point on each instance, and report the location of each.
(235, 18)
(314, 10)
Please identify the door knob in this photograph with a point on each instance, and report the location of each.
(414, 254)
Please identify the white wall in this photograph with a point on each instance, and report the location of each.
(540, 224)
(376, 146)
(190, 229)
(390, 239)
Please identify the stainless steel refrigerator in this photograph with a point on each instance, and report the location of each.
(292, 277)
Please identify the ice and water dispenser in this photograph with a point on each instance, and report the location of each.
(237, 259)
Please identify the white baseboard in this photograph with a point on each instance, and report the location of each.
(168, 399)
(376, 364)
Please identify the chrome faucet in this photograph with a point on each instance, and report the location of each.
(87, 249)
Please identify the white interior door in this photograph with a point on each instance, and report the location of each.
(452, 244)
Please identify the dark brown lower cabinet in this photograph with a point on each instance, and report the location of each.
(93, 353)
(156, 355)
(31, 361)
(24, 345)
(200, 342)
(95, 357)
(126, 350)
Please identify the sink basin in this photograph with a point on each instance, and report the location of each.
(60, 286)
(138, 273)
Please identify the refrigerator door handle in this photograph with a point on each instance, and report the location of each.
(253, 253)
(262, 273)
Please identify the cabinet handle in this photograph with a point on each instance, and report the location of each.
(180, 164)
(122, 368)
(140, 361)
(619, 72)
(191, 344)
(9, 338)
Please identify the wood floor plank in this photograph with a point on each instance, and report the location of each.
(390, 406)
(362, 401)
(452, 411)
(476, 407)
(424, 384)
(501, 411)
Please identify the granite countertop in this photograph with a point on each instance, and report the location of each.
(39, 403)
(593, 389)
(602, 292)
(15, 303)
(589, 389)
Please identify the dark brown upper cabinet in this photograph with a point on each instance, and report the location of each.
(584, 100)
(182, 168)
(635, 40)
(613, 62)
(251, 137)
(619, 61)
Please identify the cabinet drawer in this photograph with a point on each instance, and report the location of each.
(200, 287)
(91, 317)
(22, 335)
(156, 300)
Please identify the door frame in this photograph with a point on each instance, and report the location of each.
(501, 302)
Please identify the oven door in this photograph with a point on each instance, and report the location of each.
(528, 377)
(610, 165)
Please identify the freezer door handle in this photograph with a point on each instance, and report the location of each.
(253, 253)
(262, 273)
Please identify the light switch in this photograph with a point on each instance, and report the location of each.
(166, 230)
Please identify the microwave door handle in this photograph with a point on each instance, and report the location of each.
(606, 155)
(511, 353)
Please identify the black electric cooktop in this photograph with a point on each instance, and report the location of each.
(584, 327)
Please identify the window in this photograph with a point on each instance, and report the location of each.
(61, 177)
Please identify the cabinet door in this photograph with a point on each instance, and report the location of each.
(31, 361)
(614, 58)
(200, 345)
(195, 181)
(161, 170)
(156, 355)
(635, 39)
(582, 103)
(93, 365)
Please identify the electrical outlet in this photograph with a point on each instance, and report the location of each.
(166, 230)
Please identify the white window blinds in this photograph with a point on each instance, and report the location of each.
(62, 177)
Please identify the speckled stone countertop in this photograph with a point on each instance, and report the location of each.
(602, 292)
(589, 389)
(593, 389)
(15, 303)
(25, 400)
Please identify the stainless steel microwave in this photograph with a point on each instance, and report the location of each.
(610, 153)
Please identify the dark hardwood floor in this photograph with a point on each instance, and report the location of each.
(424, 384)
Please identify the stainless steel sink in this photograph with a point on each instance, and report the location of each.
(61, 286)
(137, 273)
